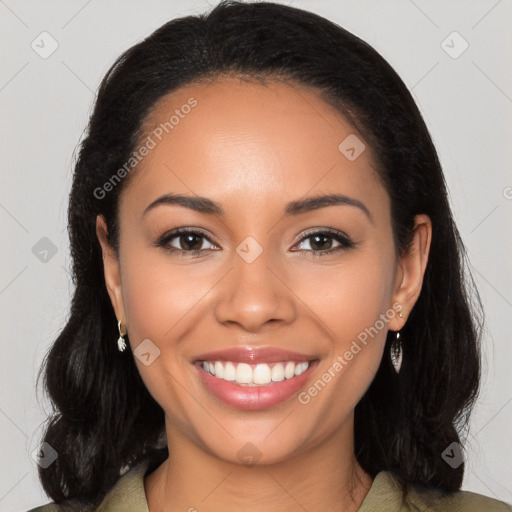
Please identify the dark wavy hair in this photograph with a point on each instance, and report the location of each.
(104, 421)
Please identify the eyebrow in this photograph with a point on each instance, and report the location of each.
(209, 207)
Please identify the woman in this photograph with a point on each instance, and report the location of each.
(271, 310)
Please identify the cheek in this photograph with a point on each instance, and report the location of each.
(160, 296)
(355, 309)
(162, 300)
(349, 298)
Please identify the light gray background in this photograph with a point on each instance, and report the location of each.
(45, 103)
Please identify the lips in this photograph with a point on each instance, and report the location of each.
(254, 355)
(250, 396)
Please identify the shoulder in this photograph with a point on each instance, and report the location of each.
(127, 494)
(426, 499)
(385, 495)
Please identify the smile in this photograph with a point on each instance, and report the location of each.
(260, 374)
(254, 387)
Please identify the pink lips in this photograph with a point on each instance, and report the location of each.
(254, 397)
(252, 355)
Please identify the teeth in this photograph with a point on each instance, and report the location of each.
(229, 371)
(219, 370)
(289, 370)
(262, 374)
(254, 375)
(243, 374)
(278, 372)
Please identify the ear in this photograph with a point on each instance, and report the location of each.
(411, 270)
(111, 270)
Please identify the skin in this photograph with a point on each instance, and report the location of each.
(253, 148)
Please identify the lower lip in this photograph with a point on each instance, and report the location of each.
(255, 397)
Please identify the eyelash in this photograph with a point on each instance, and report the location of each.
(345, 242)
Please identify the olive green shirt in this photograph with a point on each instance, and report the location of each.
(128, 495)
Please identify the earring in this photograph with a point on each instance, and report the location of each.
(396, 350)
(121, 344)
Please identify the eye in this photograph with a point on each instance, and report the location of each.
(320, 242)
(189, 241)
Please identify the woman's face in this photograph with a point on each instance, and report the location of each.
(261, 278)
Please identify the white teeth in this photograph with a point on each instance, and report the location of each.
(243, 374)
(301, 368)
(261, 374)
(219, 370)
(258, 375)
(278, 372)
(289, 371)
(229, 371)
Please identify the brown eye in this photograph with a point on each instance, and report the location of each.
(185, 241)
(189, 241)
(321, 242)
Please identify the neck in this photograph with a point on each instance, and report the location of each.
(325, 476)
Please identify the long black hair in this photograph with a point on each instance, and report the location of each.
(104, 420)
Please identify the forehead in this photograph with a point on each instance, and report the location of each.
(248, 143)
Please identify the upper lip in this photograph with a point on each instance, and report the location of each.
(254, 355)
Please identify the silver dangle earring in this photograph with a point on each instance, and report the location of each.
(121, 344)
(396, 350)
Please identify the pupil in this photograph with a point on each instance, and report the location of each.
(190, 246)
(316, 237)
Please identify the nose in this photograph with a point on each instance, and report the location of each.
(254, 294)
